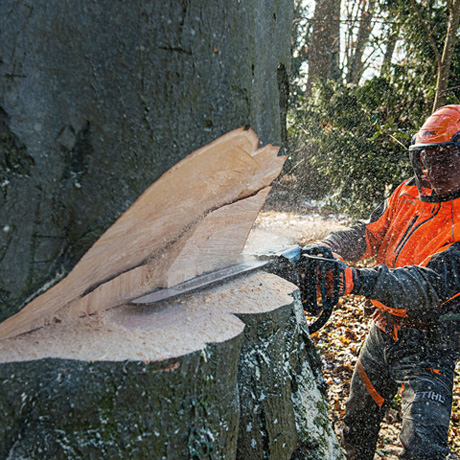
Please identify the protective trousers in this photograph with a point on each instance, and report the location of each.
(423, 371)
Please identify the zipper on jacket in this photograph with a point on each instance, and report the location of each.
(402, 240)
(409, 232)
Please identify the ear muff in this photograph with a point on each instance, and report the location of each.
(456, 137)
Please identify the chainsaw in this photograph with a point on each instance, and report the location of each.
(318, 279)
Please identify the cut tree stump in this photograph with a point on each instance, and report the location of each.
(226, 373)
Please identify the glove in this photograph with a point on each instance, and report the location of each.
(350, 278)
(317, 249)
(345, 283)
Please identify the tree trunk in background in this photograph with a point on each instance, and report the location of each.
(99, 98)
(390, 49)
(446, 58)
(356, 63)
(323, 53)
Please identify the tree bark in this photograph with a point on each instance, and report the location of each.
(324, 48)
(447, 54)
(99, 98)
(227, 373)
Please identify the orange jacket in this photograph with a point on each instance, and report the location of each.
(417, 249)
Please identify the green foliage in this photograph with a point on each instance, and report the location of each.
(350, 143)
(354, 139)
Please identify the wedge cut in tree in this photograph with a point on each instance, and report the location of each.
(194, 219)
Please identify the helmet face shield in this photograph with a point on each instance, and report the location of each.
(437, 170)
(435, 155)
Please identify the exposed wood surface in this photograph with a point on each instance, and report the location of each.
(158, 332)
(215, 242)
(148, 246)
(229, 370)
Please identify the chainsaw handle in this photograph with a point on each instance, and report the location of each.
(308, 267)
(322, 319)
(301, 270)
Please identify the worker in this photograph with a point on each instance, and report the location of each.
(414, 340)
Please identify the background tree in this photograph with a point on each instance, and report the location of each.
(301, 33)
(444, 60)
(390, 39)
(350, 141)
(356, 42)
(324, 46)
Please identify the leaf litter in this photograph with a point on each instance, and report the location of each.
(339, 341)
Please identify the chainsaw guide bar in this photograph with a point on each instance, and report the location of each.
(288, 263)
(200, 282)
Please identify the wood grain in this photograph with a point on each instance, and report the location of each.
(169, 234)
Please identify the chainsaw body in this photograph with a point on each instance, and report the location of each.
(319, 279)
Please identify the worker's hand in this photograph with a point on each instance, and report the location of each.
(344, 283)
(318, 249)
(350, 275)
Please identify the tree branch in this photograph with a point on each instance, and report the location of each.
(428, 32)
(446, 59)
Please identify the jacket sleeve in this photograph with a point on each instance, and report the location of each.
(419, 292)
(357, 242)
(363, 240)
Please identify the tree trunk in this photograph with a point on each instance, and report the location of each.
(99, 98)
(100, 104)
(356, 64)
(228, 373)
(389, 51)
(324, 48)
(448, 51)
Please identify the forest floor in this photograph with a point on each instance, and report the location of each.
(340, 339)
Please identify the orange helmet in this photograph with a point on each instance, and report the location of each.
(435, 155)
